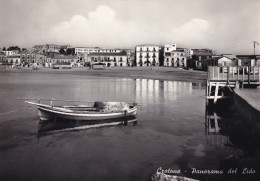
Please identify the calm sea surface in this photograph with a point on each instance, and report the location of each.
(172, 131)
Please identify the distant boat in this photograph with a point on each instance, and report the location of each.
(92, 111)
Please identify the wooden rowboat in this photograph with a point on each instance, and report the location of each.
(92, 111)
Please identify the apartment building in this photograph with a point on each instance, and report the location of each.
(174, 57)
(147, 55)
(109, 59)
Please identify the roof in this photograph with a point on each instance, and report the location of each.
(178, 50)
(63, 57)
(248, 56)
(33, 51)
(37, 46)
(108, 54)
(13, 56)
(203, 53)
(216, 58)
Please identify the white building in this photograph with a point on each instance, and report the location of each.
(169, 48)
(85, 50)
(106, 50)
(109, 59)
(13, 60)
(10, 53)
(175, 57)
(147, 55)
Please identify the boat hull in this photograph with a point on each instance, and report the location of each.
(49, 114)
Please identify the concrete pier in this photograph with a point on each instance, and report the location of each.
(247, 102)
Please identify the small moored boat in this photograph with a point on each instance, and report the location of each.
(91, 111)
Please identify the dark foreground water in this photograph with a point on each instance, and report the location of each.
(173, 131)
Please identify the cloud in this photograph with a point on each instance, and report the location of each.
(100, 28)
(194, 31)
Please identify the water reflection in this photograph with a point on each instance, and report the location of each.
(225, 128)
(212, 129)
(52, 126)
(155, 91)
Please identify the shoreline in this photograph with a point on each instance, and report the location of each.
(156, 73)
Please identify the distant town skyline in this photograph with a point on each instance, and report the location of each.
(224, 26)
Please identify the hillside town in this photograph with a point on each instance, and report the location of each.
(168, 55)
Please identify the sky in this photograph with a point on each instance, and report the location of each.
(226, 26)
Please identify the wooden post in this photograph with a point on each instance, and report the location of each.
(209, 88)
(218, 69)
(209, 70)
(207, 93)
(237, 72)
(237, 84)
(233, 73)
(243, 74)
(216, 93)
(222, 73)
(213, 73)
(249, 75)
(228, 71)
(258, 73)
(253, 73)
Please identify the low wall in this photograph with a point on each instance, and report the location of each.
(245, 108)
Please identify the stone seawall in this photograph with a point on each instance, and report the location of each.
(247, 103)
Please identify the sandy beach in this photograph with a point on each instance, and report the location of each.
(158, 73)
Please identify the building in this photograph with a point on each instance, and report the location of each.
(169, 48)
(130, 57)
(2, 58)
(106, 50)
(217, 61)
(109, 59)
(32, 57)
(147, 55)
(85, 50)
(12, 61)
(174, 57)
(62, 61)
(248, 60)
(198, 56)
(51, 47)
(10, 52)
